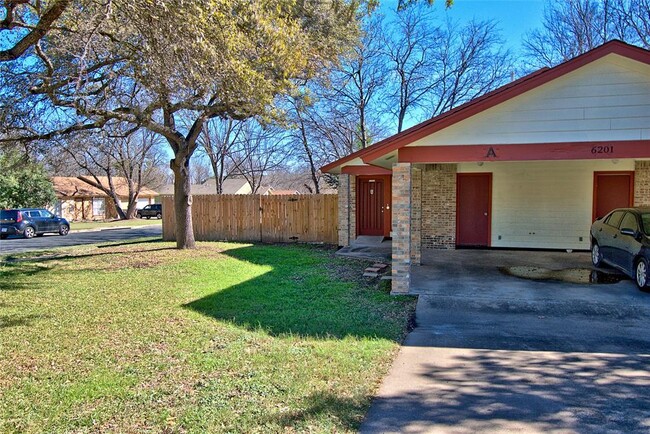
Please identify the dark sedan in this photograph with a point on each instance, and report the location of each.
(622, 239)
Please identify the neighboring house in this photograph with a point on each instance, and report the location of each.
(265, 190)
(77, 200)
(230, 186)
(529, 165)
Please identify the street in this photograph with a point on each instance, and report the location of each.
(49, 241)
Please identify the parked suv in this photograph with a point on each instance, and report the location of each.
(30, 222)
(153, 210)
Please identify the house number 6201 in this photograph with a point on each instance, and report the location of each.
(602, 150)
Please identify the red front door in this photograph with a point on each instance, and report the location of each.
(373, 205)
(473, 209)
(612, 190)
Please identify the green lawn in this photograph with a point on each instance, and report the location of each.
(76, 226)
(141, 337)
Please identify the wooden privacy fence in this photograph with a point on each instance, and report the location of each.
(269, 219)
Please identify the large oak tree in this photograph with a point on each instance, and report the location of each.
(151, 64)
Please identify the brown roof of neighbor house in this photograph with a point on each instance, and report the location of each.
(230, 186)
(488, 100)
(72, 186)
(283, 192)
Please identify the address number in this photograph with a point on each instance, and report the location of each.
(602, 150)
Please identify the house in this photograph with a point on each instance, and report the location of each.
(265, 190)
(230, 186)
(529, 165)
(78, 200)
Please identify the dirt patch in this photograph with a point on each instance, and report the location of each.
(569, 275)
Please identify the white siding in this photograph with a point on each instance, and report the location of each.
(543, 204)
(608, 99)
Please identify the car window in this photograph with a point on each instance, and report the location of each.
(34, 214)
(615, 218)
(45, 213)
(8, 214)
(147, 207)
(645, 221)
(629, 222)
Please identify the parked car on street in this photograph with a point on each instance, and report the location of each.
(30, 222)
(622, 239)
(153, 210)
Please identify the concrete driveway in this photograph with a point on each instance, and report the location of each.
(497, 353)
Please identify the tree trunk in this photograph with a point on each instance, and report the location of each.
(183, 204)
(310, 157)
(118, 206)
(131, 209)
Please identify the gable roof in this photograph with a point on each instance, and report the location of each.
(72, 186)
(489, 100)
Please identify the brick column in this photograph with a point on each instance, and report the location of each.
(416, 215)
(642, 183)
(401, 266)
(347, 210)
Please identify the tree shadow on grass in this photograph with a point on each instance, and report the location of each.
(20, 273)
(323, 405)
(306, 293)
(132, 243)
(11, 276)
(7, 321)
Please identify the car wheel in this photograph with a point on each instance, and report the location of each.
(641, 274)
(3, 237)
(596, 255)
(64, 229)
(159, 216)
(29, 232)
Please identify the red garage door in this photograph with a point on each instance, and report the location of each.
(612, 190)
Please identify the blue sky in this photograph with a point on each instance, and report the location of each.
(515, 17)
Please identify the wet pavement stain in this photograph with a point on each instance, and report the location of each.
(569, 275)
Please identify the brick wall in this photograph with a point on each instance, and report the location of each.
(416, 214)
(439, 206)
(347, 209)
(642, 183)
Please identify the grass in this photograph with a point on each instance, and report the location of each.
(76, 226)
(140, 337)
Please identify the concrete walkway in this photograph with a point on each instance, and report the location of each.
(496, 353)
